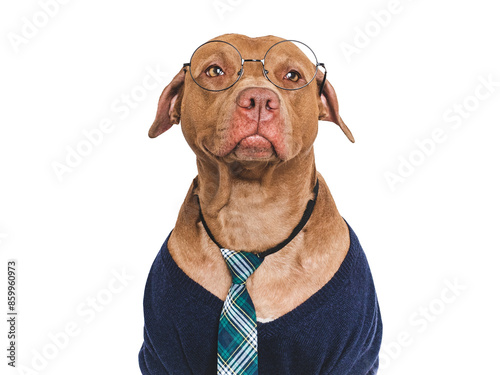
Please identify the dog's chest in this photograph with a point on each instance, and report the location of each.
(290, 277)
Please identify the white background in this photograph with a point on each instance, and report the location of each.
(112, 212)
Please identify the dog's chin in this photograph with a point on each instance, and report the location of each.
(251, 150)
(254, 148)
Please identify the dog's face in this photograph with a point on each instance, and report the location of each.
(253, 120)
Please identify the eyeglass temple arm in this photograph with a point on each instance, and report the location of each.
(324, 78)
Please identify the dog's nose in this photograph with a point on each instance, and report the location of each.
(258, 103)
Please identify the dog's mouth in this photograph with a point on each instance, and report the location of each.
(254, 147)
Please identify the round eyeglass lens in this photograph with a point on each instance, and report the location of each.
(216, 65)
(290, 65)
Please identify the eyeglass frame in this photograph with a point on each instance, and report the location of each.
(264, 71)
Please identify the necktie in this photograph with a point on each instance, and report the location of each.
(237, 343)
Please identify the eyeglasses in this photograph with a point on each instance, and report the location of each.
(218, 65)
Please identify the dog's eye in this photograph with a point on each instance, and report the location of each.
(214, 71)
(292, 76)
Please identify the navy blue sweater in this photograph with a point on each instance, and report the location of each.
(337, 331)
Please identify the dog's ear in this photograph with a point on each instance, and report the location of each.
(329, 106)
(169, 106)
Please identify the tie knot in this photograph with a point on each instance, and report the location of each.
(241, 264)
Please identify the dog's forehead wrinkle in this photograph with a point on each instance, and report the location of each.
(233, 37)
(248, 46)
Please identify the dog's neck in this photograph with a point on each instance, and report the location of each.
(260, 203)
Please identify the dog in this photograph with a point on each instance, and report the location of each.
(249, 110)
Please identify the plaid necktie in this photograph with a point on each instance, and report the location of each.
(237, 347)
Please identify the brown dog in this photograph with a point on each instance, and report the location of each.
(254, 149)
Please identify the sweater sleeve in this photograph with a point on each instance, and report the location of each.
(149, 362)
(374, 369)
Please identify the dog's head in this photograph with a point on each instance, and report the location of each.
(264, 111)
